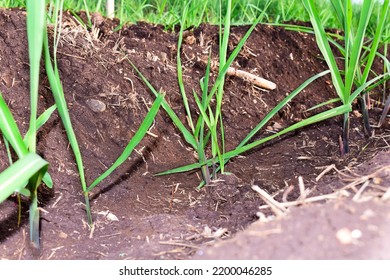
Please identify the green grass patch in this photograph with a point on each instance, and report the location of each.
(170, 12)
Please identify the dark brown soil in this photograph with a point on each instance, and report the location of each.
(140, 216)
(342, 228)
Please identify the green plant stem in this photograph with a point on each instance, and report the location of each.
(34, 219)
(180, 72)
(224, 41)
(366, 122)
(62, 108)
(139, 135)
(36, 18)
(233, 153)
(345, 141)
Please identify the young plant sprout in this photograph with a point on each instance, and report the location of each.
(25, 175)
(204, 131)
(209, 129)
(356, 71)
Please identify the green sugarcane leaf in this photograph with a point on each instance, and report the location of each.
(337, 5)
(62, 108)
(276, 109)
(188, 136)
(11, 132)
(139, 135)
(232, 57)
(15, 177)
(203, 113)
(311, 120)
(42, 119)
(323, 44)
(36, 23)
(60, 101)
(183, 169)
(377, 80)
(179, 69)
(204, 84)
(6, 143)
(357, 45)
(331, 101)
(48, 180)
(376, 41)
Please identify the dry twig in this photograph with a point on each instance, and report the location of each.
(179, 244)
(277, 208)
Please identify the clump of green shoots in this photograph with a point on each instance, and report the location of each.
(25, 175)
(208, 129)
(59, 97)
(351, 81)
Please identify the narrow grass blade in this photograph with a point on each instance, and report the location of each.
(185, 168)
(139, 135)
(223, 47)
(204, 84)
(121, 18)
(338, 7)
(99, 3)
(78, 18)
(27, 170)
(280, 106)
(42, 119)
(200, 126)
(8, 149)
(232, 57)
(179, 69)
(371, 86)
(10, 130)
(293, 27)
(377, 39)
(386, 62)
(331, 101)
(323, 44)
(45, 116)
(62, 108)
(188, 136)
(88, 14)
(58, 11)
(36, 20)
(375, 81)
(203, 114)
(311, 120)
(15, 178)
(58, 94)
(357, 44)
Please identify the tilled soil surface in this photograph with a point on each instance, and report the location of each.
(342, 228)
(141, 216)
